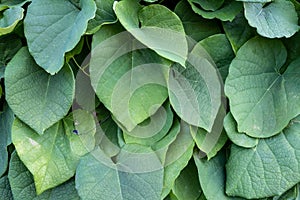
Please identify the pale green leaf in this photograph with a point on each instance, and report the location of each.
(138, 86)
(104, 15)
(48, 157)
(5, 190)
(137, 174)
(187, 184)
(195, 91)
(226, 12)
(36, 97)
(10, 18)
(22, 184)
(177, 157)
(212, 176)
(6, 120)
(4, 4)
(262, 99)
(160, 27)
(194, 25)
(54, 27)
(211, 5)
(237, 138)
(273, 165)
(238, 31)
(153, 129)
(267, 18)
(220, 51)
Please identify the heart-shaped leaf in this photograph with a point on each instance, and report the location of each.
(36, 97)
(262, 99)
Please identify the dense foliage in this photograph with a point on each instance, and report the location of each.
(179, 100)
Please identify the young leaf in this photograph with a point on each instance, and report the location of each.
(195, 91)
(104, 15)
(22, 184)
(138, 86)
(273, 165)
(48, 157)
(36, 97)
(267, 18)
(6, 120)
(194, 25)
(237, 138)
(262, 100)
(238, 31)
(137, 174)
(54, 27)
(226, 12)
(5, 189)
(10, 19)
(153, 129)
(212, 176)
(187, 184)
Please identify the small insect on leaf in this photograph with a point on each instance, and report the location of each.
(75, 131)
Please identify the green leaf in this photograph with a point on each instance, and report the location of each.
(4, 4)
(293, 47)
(262, 100)
(186, 84)
(226, 12)
(54, 27)
(22, 184)
(212, 176)
(9, 46)
(138, 86)
(266, 18)
(104, 15)
(194, 25)
(5, 189)
(49, 157)
(137, 174)
(160, 27)
(221, 52)
(237, 138)
(211, 5)
(177, 157)
(6, 120)
(187, 185)
(273, 165)
(153, 129)
(238, 31)
(36, 97)
(10, 18)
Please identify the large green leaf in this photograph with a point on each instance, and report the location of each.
(212, 176)
(220, 50)
(22, 184)
(5, 189)
(226, 12)
(10, 18)
(177, 157)
(262, 99)
(194, 25)
(137, 174)
(273, 165)
(153, 129)
(195, 91)
(267, 18)
(237, 138)
(49, 157)
(187, 184)
(104, 15)
(6, 120)
(36, 97)
(9, 46)
(238, 31)
(160, 27)
(138, 86)
(54, 27)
